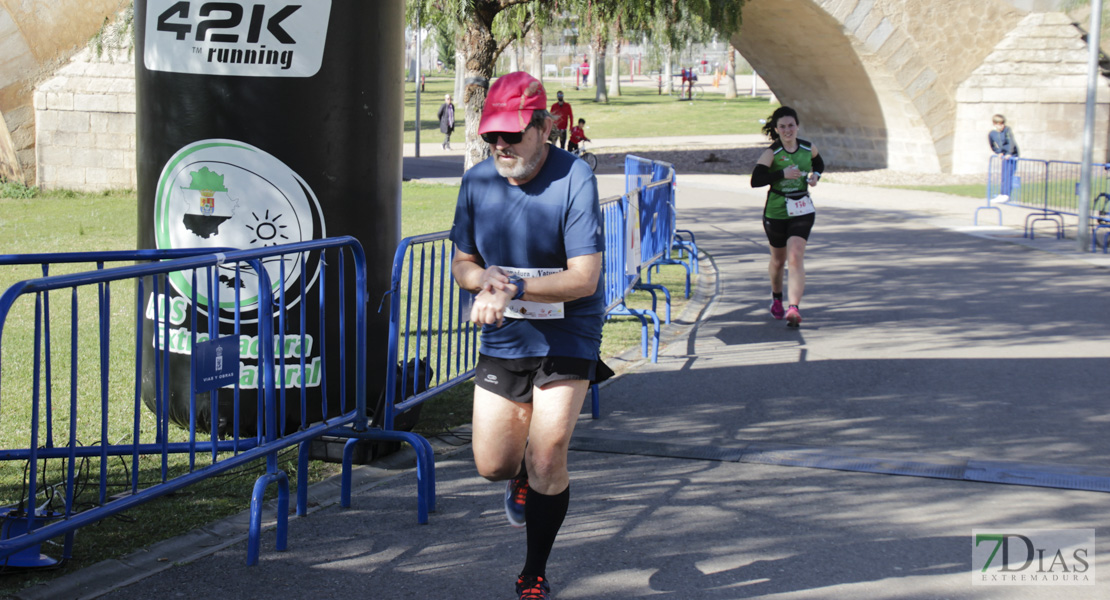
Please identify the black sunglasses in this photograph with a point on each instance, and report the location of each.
(510, 137)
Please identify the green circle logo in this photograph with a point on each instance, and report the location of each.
(227, 194)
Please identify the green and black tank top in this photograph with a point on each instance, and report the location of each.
(775, 208)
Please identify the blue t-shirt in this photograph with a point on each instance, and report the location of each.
(540, 224)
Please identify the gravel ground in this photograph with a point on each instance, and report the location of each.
(740, 160)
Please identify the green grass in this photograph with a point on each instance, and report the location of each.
(978, 191)
(637, 112)
(1060, 193)
(427, 207)
(35, 221)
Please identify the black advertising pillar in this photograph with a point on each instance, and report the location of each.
(263, 122)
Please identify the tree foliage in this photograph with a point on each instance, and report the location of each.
(484, 28)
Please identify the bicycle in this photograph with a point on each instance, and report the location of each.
(589, 157)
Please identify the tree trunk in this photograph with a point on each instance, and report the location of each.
(730, 74)
(460, 67)
(514, 57)
(615, 82)
(598, 72)
(410, 54)
(479, 46)
(535, 51)
(668, 73)
(591, 78)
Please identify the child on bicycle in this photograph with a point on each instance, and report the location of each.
(577, 134)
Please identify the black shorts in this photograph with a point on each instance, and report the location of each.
(514, 378)
(779, 230)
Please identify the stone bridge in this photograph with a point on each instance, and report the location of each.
(36, 38)
(912, 84)
(903, 84)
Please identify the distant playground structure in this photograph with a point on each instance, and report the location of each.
(907, 85)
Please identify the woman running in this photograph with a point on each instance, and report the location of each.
(790, 166)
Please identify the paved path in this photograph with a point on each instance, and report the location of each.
(435, 162)
(927, 348)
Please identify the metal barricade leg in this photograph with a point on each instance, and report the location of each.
(257, 498)
(302, 477)
(425, 467)
(651, 287)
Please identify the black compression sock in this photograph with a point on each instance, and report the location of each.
(777, 296)
(545, 516)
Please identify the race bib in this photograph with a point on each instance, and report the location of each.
(796, 207)
(525, 309)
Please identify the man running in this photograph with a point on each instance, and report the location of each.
(528, 242)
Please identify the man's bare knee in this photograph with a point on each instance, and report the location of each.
(497, 472)
(547, 464)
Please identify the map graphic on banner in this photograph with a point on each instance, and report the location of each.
(228, 194)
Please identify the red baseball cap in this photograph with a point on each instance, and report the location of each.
(511, 101)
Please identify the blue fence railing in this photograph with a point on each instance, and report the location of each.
(659, 218)
(84, 398)
(1049, 188)
(121, 369)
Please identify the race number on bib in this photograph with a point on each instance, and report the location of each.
(526, 309)
(796, 207)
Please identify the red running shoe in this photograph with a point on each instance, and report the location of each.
(516, 492)
(533, 588)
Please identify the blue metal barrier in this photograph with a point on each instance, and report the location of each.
(621, 275)
(659, 202)
(1050, 188)
(55, 426)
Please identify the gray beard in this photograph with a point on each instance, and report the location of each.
(521, 170)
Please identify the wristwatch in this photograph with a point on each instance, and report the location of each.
(519, 283)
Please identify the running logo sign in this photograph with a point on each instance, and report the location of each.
(1049, 557)
(256, 38)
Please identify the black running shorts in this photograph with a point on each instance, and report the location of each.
(779, 230)
(514, 378)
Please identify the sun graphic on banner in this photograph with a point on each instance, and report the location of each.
(267, 230)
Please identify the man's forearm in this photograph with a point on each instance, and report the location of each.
(468, 275)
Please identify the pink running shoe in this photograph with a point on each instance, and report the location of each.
(793, 316)
(776, 309)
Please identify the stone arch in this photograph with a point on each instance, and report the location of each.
(874, 81)
(37, 36)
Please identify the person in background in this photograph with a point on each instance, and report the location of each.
(446, 116)
(528, 234)
(1004, 145)
(564, 116)
(790, 167)
(577, 134)
(584, 69)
